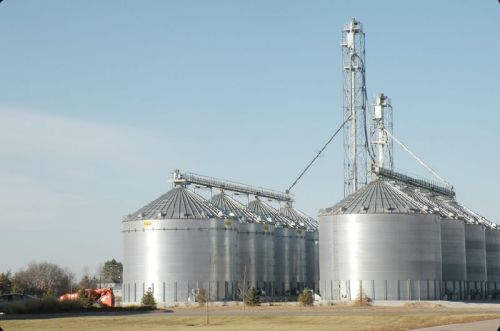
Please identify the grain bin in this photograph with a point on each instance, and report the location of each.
(312, 244)
(177, 244)
(289, 245)
(255, 244)
(380, 243)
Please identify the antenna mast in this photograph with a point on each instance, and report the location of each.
(355, 135)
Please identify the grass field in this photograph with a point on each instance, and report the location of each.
(264, 318)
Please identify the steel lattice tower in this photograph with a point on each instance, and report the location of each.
(382, 143)
(355, 131)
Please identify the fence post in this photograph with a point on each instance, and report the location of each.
(175, 292)
(399, 290)
(271, 288)
(373, 289)
(360, 291)
(385, 289)
(408, 285)
(348, 289)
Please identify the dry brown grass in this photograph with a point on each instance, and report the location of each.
(342, 318)
(423, 305)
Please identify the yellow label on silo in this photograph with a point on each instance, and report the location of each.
(148, 223)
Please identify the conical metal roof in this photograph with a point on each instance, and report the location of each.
(385, 195)
(268, 214)
(233, 208)
(176, 203)
(445, 206)
(298, 216)
(378, 197)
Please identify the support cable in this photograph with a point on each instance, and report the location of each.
(418, 159)
(318, 154)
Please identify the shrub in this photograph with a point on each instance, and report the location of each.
(362, 300)
(252, 297)
(306, 297)
(87, 300)
(71, 305)
(148, 299)
(201, 296)
(52, 305)
(45, 305)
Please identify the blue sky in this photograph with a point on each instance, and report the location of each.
(100, 100)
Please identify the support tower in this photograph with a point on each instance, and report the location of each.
(355, 132)
(382, 121)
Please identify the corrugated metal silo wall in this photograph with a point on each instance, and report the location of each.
(327, 258)
(256, 255)
(299, 260)
(173, 257)
(453, 250)
(493, 255)
(475, 250)
(312, 260)
(284, 271)
(454, 261)
(385, 256)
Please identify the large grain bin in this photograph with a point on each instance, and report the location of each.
(379, 242)
(177, 244)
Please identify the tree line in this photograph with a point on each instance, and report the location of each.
(49, 279)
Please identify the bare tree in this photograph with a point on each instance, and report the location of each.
(88, 280)
(243, 286)
(43, 279)
(5, 282)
